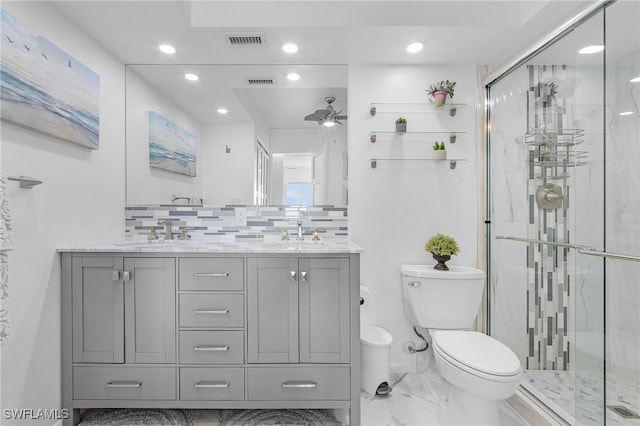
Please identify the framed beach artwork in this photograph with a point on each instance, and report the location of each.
(171, 147)
(46, 89)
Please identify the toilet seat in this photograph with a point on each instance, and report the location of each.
(477, 354)
(374, 336)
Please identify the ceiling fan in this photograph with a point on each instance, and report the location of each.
(327, 117)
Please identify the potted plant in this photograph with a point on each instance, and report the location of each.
(439, 153)
(401, 125)
(440, 90)
(442, 247)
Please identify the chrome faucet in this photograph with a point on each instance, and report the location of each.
(300, 237)
(168, 233)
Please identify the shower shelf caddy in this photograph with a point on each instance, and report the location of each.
(413, 108)
(553, 151)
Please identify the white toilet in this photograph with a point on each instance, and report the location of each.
(375, 344)
(478, 369)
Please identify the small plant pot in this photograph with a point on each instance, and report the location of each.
(401, 128)
(440, 154)
(440, 97)
(441, 259)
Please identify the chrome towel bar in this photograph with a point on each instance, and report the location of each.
(25, 181)
(580, 249)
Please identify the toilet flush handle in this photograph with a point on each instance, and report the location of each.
(414, 284)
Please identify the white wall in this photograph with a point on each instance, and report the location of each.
(394, 209)
(228, 178)
(81, 198)
(147, 185)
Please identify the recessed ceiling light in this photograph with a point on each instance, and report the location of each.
(167, 48)
(191, 77)
(591, 49)
(635, 80)
(222, 111)
(293, 76)
(290, 48)
(626, 113)
(415, 47)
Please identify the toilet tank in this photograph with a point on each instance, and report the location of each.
(441, 299)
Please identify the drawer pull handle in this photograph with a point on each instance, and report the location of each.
(123, 384)
(212, 348)
(201, 385)
(305, 385)
(211, 311)
(210, 274)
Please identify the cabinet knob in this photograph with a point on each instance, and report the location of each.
(293, 275)
(303, 276)
(126, 276)
(115, 275)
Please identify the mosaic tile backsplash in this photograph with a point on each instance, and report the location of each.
(237, 222)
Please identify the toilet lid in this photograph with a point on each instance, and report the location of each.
(477, 351)
(375, 336)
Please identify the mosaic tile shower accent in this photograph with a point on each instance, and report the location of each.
(551, 159)
(235, 222)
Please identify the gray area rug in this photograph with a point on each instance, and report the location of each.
(278, 417)
(137, 416)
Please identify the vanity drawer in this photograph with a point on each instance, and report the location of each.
(211, 347)
(287, 384)
(212, 384)
(211, 310)
(124, 383)
(211, 274)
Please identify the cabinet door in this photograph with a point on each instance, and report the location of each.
(150, 310)
(324, 310)
(272, 310)
(98, 316)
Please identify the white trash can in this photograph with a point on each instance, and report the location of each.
(375, 347)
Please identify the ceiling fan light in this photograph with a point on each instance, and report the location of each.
(329, 123)
(415, 47)
(635, 80)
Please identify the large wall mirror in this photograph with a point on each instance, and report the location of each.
(182, 148)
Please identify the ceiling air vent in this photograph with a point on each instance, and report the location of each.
(261, 81)
(252, 39)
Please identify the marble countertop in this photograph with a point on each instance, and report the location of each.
(203, 246)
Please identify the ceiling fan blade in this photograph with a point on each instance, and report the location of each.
(314, 117)
(341, 117)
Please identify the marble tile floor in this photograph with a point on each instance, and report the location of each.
(409, 404)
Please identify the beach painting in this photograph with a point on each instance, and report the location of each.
(44, 88)
(171, 147)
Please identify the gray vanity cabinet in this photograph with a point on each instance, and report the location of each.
(298, 310)
(123, 310)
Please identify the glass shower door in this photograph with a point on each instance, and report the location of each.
(622, 213)
(546, 197)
